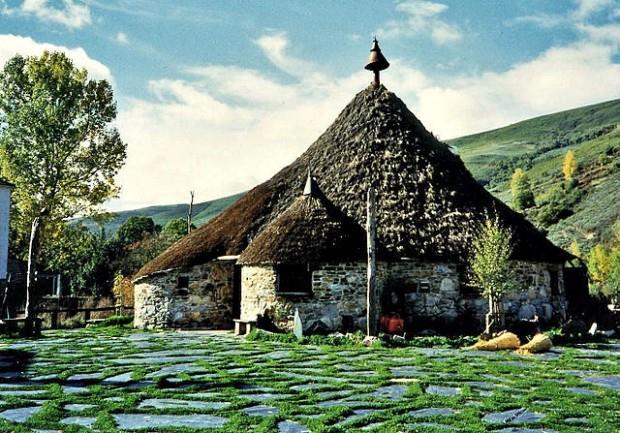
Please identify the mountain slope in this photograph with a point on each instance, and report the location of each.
(202, 213)
(538, 146)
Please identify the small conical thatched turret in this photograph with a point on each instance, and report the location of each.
(429, 206)
(310, 230)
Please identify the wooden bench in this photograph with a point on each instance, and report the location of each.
(244, 327)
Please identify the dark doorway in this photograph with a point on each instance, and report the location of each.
(236, 305)
(576, 288)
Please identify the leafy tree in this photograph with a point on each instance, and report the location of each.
(569, 166)
(78, 255)
(575, 249)
(175, 229)
(135, 229)
(522, 194)
(490, 269)
(599, 267)
(56, 144)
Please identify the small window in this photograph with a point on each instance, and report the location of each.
(294, 280)
(182, 282)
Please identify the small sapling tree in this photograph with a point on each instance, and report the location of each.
(490, 270)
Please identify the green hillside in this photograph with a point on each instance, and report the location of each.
(202, 213)
(538, 146)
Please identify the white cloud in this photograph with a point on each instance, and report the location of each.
(586, 8)
(226, 128)
(274, 47)
(421, 18)
(10, 45)
(121, 38)
(576, 18)
(544, 21)
(558, 79)
(70, 14)
(604, 33)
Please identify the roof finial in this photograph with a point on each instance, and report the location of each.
(376, 62)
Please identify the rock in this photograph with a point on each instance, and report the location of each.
(593, 328)
(298, 328)
(527, 312)
(369, 340)
(317, 327)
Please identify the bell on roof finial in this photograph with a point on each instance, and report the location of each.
(376, 62)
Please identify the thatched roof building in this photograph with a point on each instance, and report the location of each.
(429, 205)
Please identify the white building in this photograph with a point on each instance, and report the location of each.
(5, 207)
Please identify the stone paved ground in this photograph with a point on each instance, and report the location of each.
(110, 379)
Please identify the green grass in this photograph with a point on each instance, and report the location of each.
(229, 364)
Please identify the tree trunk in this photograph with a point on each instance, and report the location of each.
(371, 295)
(495, 317)
(33, 251)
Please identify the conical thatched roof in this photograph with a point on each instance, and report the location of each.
(429, 206)
(310, 230)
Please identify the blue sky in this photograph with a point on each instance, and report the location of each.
(216, 96)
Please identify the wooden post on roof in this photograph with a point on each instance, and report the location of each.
(371, 291)
(189, 212)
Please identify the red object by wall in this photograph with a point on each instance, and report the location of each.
(392, 324)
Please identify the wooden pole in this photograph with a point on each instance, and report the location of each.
(371, 291)
(189, 212)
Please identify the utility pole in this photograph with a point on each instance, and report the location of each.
(371, 292)
(189, 212)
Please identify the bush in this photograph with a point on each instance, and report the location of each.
(116, 321)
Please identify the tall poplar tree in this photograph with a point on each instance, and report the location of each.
(57, 144)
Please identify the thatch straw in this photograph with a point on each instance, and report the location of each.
(310, 230)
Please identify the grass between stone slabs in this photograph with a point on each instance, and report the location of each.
(267, 386)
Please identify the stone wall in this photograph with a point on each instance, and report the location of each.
(206, 302)
(416, 290)
(337, 290)
(340, 290)
(424, 291)
(536, 294)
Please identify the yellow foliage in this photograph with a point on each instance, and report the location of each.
(599, 264)
(123, 290)
(575, 249)
(569, 167)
